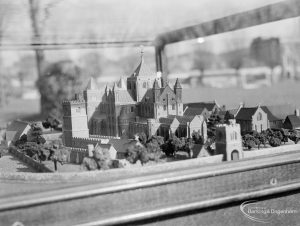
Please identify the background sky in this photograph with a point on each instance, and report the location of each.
(123, 20)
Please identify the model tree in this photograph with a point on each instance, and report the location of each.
(274, 141)
(52, 121)
(260, 138)
(135, 153)
(249, 141)
(153, 147)
(173, 145)
(142, 137)
(35, 134)
(293, 135)
(198, 139)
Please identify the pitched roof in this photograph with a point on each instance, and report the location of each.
(15, 129)
(208, 105)
(233, 111)
(142, 70)
(199, 150)
(246, 113)
(193, 111)
(124, 97)
(295, 120)
(101, 145)
(271, 117)
(167, 120)
(281, 111)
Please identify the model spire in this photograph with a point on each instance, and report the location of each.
(91, 84)
(142, 52)
(177, 84)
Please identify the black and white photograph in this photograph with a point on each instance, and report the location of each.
(149, 112)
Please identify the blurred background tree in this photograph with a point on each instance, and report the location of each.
(92, 64)
(59, 82)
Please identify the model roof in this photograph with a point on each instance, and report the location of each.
(189, 111)
(208, 105)
(271, 117)
(294, 120)
(281, 111)
(246, 113)
(124, 97)
(15, 129)
(142, 70)
(233, 111)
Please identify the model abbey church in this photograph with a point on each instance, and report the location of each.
(143, 102)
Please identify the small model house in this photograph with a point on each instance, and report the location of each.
(211, 107)
(15, 130)
(292, 121)
(192, 111)
(250, 119)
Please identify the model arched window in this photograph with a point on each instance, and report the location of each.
(259, 116)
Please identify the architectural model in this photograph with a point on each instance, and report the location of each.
(143, 102)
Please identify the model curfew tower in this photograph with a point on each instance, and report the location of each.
(229, 141)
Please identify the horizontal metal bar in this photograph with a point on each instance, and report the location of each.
(73, 45)
(175, 176)
(270, 13)
(193, 206)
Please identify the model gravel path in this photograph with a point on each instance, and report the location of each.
(10, 164)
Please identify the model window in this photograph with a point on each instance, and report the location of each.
(259, 116)
(165, 107)
(78, 109)
(173, 106)
(131, 109)
(144, 85)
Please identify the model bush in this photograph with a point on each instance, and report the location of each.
(197, 137)
(249, 141)
(294, 136)
(260, 139)
(135, 153)
(52, 121)
(35, 134)
(100, 160)
(274, 141)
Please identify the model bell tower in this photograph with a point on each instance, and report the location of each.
(229, 141)
(74, 121)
